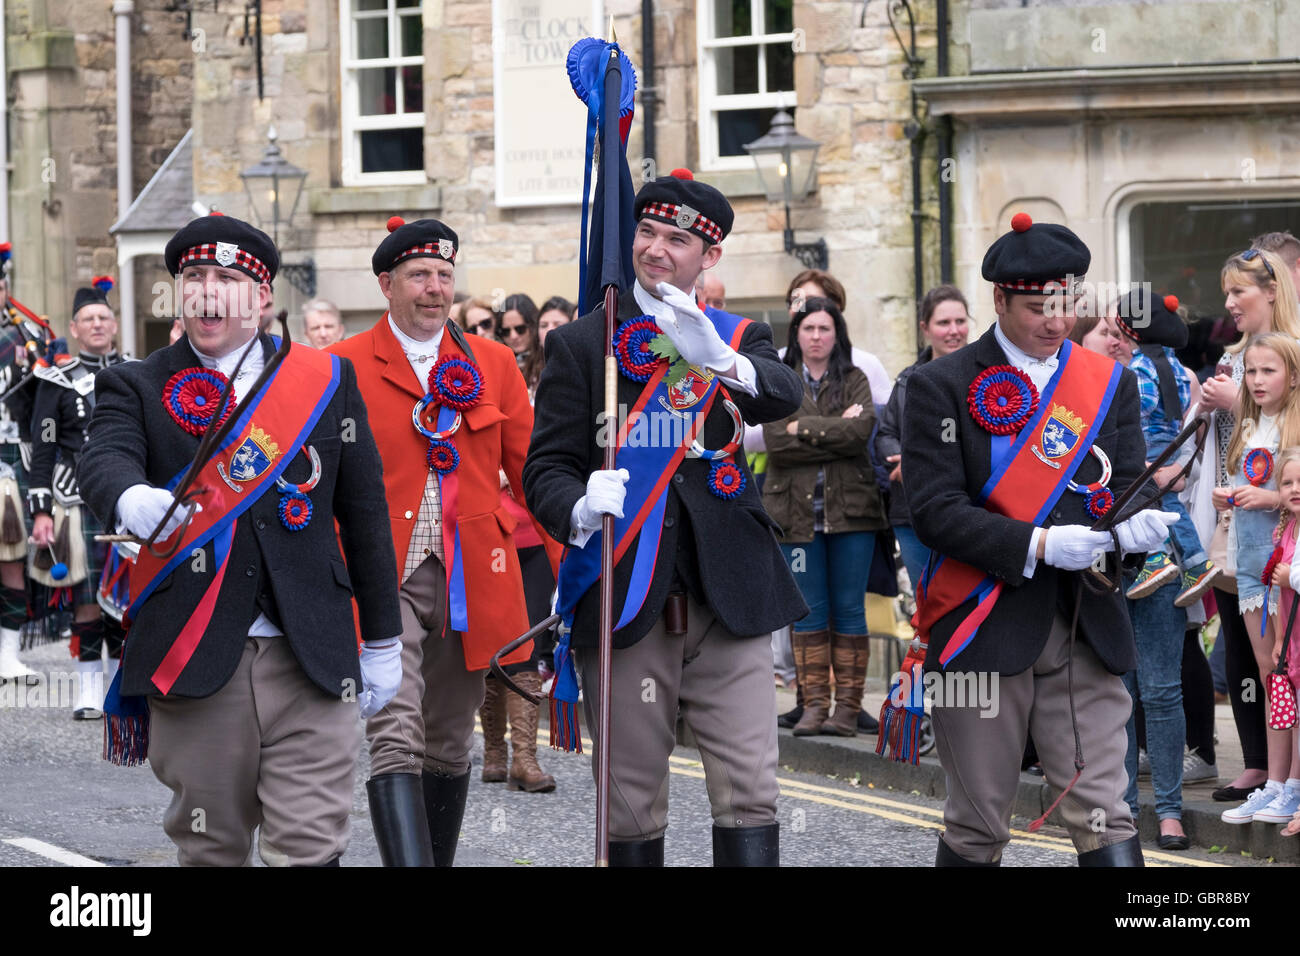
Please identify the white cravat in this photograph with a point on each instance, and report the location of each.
(225, 364)
(421, 355)
(1040, 371)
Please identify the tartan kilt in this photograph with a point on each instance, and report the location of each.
(11, 454)
(85, 590)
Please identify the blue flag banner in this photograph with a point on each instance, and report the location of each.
(606, 238)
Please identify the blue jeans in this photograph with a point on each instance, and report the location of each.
(831, 571)
(1158, 627)
(1182, 534)
(915, 554)
(1189, 551)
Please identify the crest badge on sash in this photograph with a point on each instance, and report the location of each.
(1059, 435)
(250, 460)
(686, 216)
(226, 253)
(690, 390)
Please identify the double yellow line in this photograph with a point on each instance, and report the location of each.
(897, 811)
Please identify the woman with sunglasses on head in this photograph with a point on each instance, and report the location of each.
(479, 318)
(1260, 297)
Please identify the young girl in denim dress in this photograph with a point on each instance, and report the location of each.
(1269, 420)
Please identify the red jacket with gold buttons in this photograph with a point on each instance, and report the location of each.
(493, 436)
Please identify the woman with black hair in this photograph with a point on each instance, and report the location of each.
(822, 491)
(518, 324)
(555, 311)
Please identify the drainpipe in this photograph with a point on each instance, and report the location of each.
(945, 153)
(122, 10)
(649, 92)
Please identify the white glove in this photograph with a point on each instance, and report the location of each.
(142, 506)
(1145, 531)
(1073, 547)
(381, 675)
(605, 494)
(691, 331)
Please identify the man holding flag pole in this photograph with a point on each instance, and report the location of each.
(659, 485)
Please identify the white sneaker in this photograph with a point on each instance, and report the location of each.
(1281, 809)
(1257, 801)
(1196, 770)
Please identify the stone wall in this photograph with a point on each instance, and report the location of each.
(63, 129)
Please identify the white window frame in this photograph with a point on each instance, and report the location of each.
(712, 102)
(353, 123)
(1285, 189)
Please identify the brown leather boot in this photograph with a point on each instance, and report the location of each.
(493, 716)
(812, 662)
(850, 654)
(524, 773)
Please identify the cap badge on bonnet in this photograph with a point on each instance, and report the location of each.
(227, 253)
(445, 248)
(686, 216)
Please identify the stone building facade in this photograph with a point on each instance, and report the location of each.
(1161, 132)
(62, 123)
(838, 69)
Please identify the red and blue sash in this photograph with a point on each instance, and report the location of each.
(650, 466)
(1030, 473)
(269, 433)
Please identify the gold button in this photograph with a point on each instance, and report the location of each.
(426, 551)
(408, 514)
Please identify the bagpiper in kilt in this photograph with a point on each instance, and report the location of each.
(67, 558)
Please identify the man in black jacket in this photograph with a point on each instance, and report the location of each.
(244, 642)
(1061, 424)
(716, 561)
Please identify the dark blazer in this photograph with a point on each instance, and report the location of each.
(300, 575)
(889, 437)
(732, 554)
(943, 478)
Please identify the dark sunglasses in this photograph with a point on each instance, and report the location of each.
(514, 329)
(483, 324)
(1252, 254)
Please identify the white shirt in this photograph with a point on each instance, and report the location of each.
(1040, 372)
(248, 372)
(421, 355)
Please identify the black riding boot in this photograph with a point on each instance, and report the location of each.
(1126, 853)
(747, 846)
(397, 815)
(637, 852)
(947, 856)
(444, 802)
